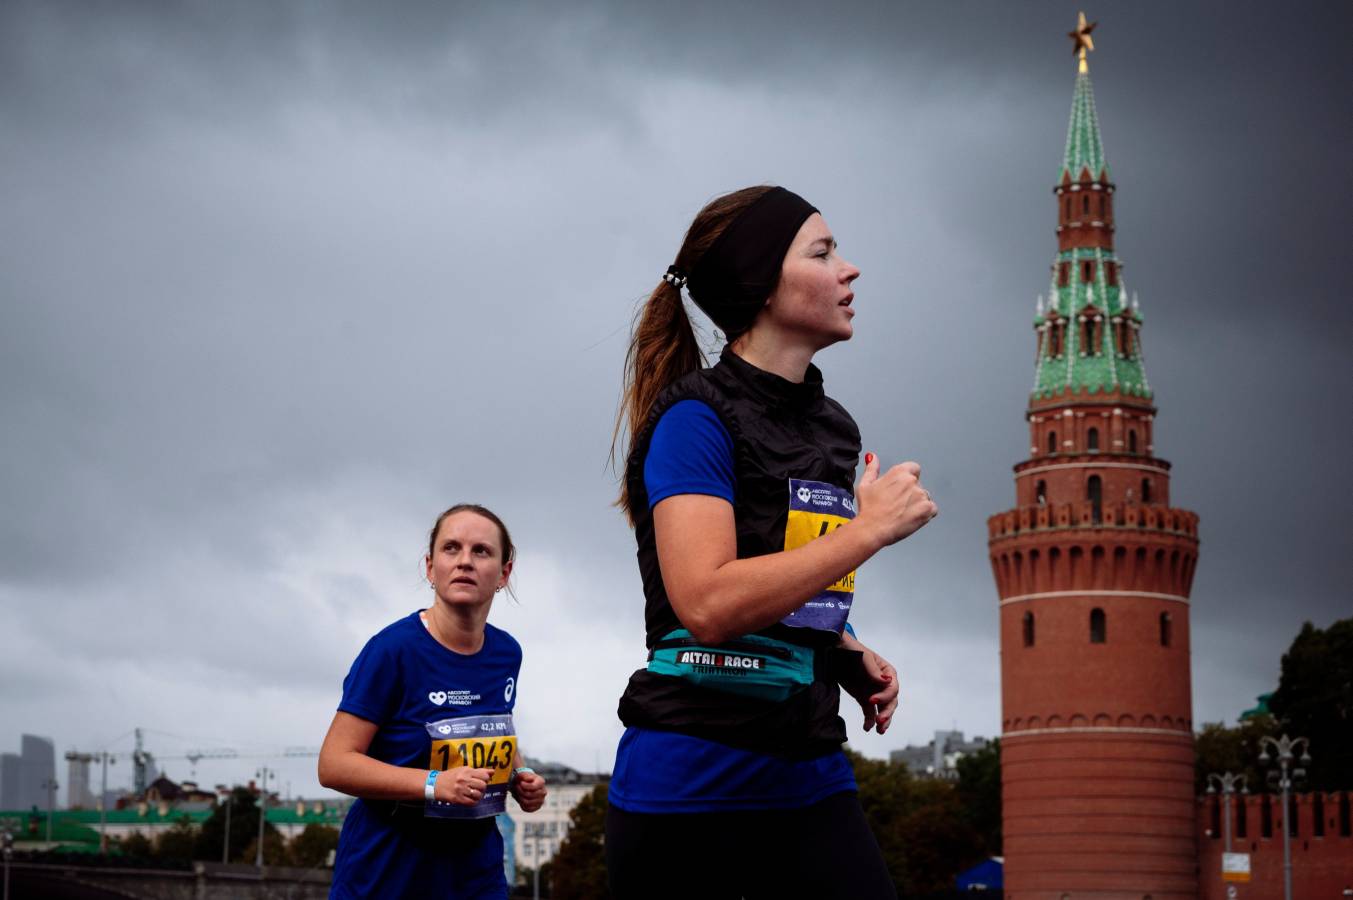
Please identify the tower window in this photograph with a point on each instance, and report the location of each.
(1028, 629)
(1132, 440)
(1087, 270)
(1146, 490)
(1094, 489)
(1092, 334)
(1092, 440)
(1098, 627)
(1085, 204)
(1041, 493)
(1067, 216)
(1052, 442)
(1111, 273)
(1165, 629)
(1063, 274)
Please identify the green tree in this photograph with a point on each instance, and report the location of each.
(311, 847)
(275, 850)
(1315, 700)
(136, 846)
(920, 824)
(243, 828)
(578, 870)
(1219, 749)
(979, 792)
(177, 842)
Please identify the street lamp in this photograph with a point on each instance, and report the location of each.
(105, 758)
(1227, 785)
(50, 786)
(230, 801)
(1285, 748)
(103, 800)
(262, 812)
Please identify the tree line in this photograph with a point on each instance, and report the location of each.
(183, 842)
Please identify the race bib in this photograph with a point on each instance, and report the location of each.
(815, 508)
(483, 742)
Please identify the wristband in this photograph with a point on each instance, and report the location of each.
(430, 785)
(517, 771)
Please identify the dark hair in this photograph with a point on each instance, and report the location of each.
(509, 551)
(662, 344)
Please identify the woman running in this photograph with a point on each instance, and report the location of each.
(730, 780)
(423, 736)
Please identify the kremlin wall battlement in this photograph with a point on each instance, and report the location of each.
(1321, 844)
(1080, 514)
(1064, 548)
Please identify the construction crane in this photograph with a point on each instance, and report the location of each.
(143, 760)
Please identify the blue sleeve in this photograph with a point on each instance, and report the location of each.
(371, 690)
(690, 453)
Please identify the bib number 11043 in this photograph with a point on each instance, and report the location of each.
(480, 753)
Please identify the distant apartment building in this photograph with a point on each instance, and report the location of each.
(938, 759)
(9, 780)
(25, 777)
(537, 835)
(38, 770)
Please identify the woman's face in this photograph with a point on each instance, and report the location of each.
(466, 565)
(812, 300)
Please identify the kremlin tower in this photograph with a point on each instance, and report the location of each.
(1093, 567)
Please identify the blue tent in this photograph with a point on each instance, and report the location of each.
(985, 876)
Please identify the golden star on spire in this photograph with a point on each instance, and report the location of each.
(1081, 40)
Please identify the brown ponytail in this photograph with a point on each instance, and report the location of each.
(663, 346)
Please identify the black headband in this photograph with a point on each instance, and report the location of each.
(732, 280)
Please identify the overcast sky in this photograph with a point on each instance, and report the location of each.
(279, 282)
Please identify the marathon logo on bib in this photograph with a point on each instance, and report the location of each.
(815, 508)
(720, 662)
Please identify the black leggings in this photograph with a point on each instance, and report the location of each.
(821, 851)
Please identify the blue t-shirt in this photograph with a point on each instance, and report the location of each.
(656, 771)
(402, 680)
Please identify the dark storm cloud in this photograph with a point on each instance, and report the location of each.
(280, 280)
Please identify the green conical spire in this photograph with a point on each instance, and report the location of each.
(1090, 335)
(1084, 147)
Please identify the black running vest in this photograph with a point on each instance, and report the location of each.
(780, 430)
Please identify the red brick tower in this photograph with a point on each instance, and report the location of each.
(1093, 567)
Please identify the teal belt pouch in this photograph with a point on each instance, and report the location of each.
(752, 665)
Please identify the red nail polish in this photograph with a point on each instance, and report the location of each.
(868, 458)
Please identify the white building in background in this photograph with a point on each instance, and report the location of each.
(938, 759)
(78, 794)
(537, 835)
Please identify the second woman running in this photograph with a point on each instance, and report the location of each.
(423, 735)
